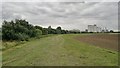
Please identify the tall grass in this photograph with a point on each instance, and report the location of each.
(9, 44)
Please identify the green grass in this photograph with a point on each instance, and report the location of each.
(59, 50)
(9, 44)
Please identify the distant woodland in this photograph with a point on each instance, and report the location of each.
(21, 30)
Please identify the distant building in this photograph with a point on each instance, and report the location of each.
(105, 30)
(99, 29)
(94, 28)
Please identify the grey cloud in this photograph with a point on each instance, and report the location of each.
(69, 15)
(0, 14)
(0, 10)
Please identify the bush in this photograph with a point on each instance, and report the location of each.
(37, 32)
(21, 37)
(18, 30)
(44, 32)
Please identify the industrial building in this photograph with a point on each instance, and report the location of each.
(94, 28)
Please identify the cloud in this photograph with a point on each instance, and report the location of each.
(69, 15)
(60, 0)
(0, 14)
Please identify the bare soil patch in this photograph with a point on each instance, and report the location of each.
(109, 41)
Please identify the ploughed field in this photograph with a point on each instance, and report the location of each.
(65, 50)
(108, 41)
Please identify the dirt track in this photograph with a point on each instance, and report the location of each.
(109, 41)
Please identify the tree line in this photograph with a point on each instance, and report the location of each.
(22, 30)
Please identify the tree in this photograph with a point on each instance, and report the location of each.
(19, 30)
(7, 30)
(38, 27)
(21, 36)
(44, 31)
(58, 30)
(49, 27)
(86, 30)
(111, 31)
(53, 31)
(37, 32)
(49, 30)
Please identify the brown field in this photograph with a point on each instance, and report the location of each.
(108, 41)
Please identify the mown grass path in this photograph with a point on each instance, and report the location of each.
(60, 50)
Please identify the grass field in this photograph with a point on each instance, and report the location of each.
(60, 50)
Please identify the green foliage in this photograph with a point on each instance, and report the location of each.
(19, 30)
(21, 36)
(58, 30)
(37, 32)
(111, 31)
(22, 30)
(38, 27)
(44, 31)
(50, 30)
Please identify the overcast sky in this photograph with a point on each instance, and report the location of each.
(68, 15)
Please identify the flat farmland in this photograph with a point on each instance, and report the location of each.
(65, 50)
(108, 41)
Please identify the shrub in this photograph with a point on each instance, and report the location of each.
(21, 37)
(37, 32)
